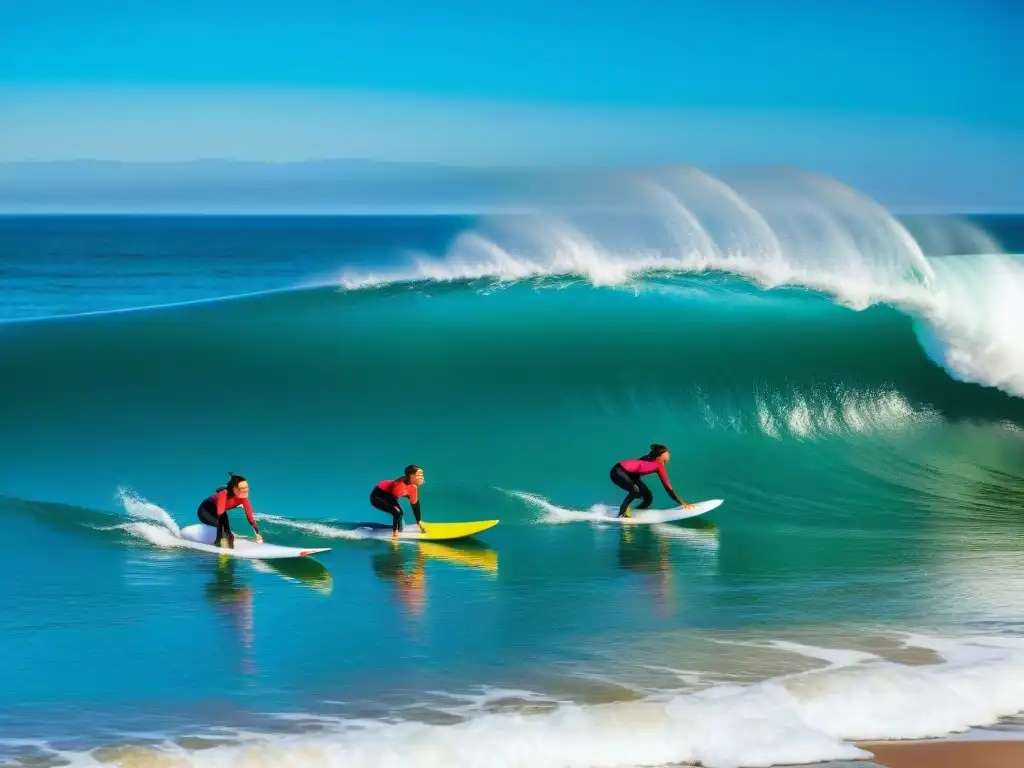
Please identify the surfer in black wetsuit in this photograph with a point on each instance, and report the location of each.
(386, 493)
(213, 510)
(627, 475)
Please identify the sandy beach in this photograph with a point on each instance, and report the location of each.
(947, 754)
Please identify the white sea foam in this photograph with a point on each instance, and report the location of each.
(972, 324)
(824, 414)
(141, 509)
(551, 513)
(798, 718)
(324, 530)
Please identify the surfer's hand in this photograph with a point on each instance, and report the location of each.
(259, 539)
(687, 506)
(423, 528)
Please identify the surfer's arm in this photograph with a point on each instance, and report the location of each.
(248, 513)
(414, 502)
(663, 476)
(222, 502)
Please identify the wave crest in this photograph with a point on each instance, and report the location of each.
(972, 324)
(773, 229)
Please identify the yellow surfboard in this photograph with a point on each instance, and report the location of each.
(435, 531)
(446, 531)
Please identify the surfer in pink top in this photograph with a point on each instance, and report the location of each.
(214, 510)
(627, 474)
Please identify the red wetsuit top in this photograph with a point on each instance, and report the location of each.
(221, 500)
(399, 488)
(645, 467)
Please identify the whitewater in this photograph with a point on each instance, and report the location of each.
(778, 229)
(849, 380)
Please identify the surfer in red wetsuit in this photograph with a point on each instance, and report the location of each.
(627, 475)
(213, 510)
(386, 493)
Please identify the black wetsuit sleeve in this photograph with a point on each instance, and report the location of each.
(672, 494)
(416, 510)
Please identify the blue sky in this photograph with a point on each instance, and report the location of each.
(862, 90)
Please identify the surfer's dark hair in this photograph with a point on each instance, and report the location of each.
(656, 450)
(233, 482)
(411, 470)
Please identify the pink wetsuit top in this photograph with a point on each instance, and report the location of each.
(399, 488)
(644, 467)
(220, 498)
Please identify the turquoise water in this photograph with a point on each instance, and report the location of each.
(862, 422)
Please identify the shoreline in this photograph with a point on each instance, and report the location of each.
(996, 750)
(972, 749)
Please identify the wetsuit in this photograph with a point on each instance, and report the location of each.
(385, 496)
(627, 475)
(213, 512)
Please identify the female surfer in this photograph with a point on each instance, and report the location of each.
(386, 493)
(627, 475)
(213, 510)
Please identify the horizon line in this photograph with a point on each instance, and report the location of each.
(398, 211)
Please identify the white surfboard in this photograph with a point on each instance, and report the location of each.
(656, 516)
(201, 537)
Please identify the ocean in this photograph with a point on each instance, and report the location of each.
(850, 382)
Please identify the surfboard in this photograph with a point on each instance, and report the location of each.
(435, 531)
(656, 516)
(201, 537)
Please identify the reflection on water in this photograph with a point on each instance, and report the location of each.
(643, 552)
(406, 571)
(234, 601)
(469, 554)
(233, 597)
(300, 570)
(698, 535)
(405, 567)
(647, 551)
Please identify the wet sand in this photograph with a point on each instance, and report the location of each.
(984, 753)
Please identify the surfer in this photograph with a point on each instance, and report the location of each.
(213, 510)
(627, 475)
(386, 493)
